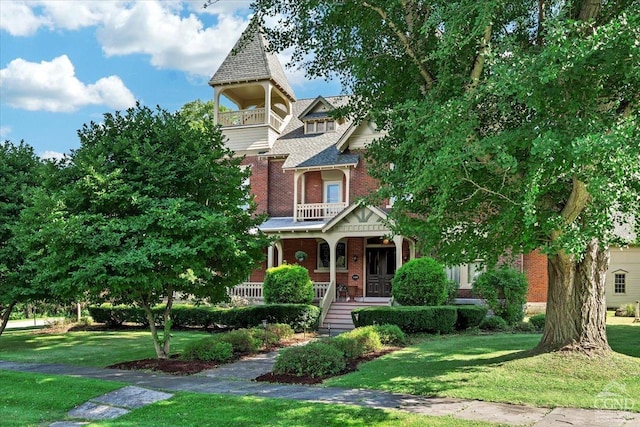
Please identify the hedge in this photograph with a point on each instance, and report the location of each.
(432, 319)
(300, 317)
(470, 316)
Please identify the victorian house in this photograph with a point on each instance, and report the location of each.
(308, 174)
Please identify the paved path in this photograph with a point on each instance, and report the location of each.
(235, 379)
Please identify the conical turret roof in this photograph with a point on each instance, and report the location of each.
(249, 60)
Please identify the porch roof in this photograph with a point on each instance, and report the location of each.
(278, 224)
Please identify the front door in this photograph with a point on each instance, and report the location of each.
(381, 266)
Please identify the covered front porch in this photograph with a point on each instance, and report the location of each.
(351, 258)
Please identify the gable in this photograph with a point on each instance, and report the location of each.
(359, 218)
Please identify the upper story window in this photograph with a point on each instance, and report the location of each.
(620, 283)
(319, 126)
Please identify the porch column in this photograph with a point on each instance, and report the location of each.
(296, 177)
(267, 103)
(270, 256)
(347, 174)
(398, 240)
(333, 243)
(278, 246)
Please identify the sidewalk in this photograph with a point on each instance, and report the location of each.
(235, 378)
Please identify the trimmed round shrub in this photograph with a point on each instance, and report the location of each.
(494, 323)
(391, 335)
(538, 321)
(287, 284)
(368, 336)
(505, 292)
(314, 359)
(421, 281)
(209, 349)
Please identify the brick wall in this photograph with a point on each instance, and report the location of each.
(313, 188)
(280, 190)
(362, 184)
(259, 181)
(535, 268)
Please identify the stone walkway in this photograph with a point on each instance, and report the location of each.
(235, 378)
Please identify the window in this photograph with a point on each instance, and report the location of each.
(620, 283)
(319, 126)
(324, 255)
(332, 191)
(474, 269)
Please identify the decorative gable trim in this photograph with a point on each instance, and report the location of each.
(319, 100)
(358, 217)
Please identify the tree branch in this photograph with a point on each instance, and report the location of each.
(402, 37)
(541, 18)
(478, 63)
(484, 189)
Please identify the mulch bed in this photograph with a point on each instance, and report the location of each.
(176, 366)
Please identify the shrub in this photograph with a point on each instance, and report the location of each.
(301, 317)
(524, 327)
(287, 284)
(626, 310)
(264, 336)
(494, 323)
(281, 330)
(350, 347)
(243, 341)
(538, 321)
(209, 349)
(505, 292)
(452, 292)
(409, 319)
(391, 335)
(314, 359)
(470, 316)
(421, 281)
(368, 336)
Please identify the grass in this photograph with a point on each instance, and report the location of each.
(499, 368)
(28, 399)
(85, 348)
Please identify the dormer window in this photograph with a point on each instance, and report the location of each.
(319, 126)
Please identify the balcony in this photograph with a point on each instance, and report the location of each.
(318, 211)
(255, 116)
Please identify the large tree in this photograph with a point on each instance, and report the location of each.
(511, 126)
(151, 205)
(21, 173)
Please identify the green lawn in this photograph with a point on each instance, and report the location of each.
(91, 348)
(499, 368)
(33, 399)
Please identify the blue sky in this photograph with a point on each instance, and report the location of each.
(64, 63)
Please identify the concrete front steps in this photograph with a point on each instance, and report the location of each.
(338, 318)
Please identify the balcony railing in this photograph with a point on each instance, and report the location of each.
(255, 116)
(253, 290)
(318, 211)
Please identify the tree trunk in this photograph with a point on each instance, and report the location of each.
(576, 308)
(154, 332)
(6, 312)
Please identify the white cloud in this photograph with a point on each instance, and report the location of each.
(53, 86)
(19, 19)
(173, 41)
(54, 155)
(5, 131)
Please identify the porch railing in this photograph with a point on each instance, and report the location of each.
(253, 290)
(318, 211)
(327, 299)
(254, 116)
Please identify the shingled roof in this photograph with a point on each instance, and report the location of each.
(249, 60)
(312, 150)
